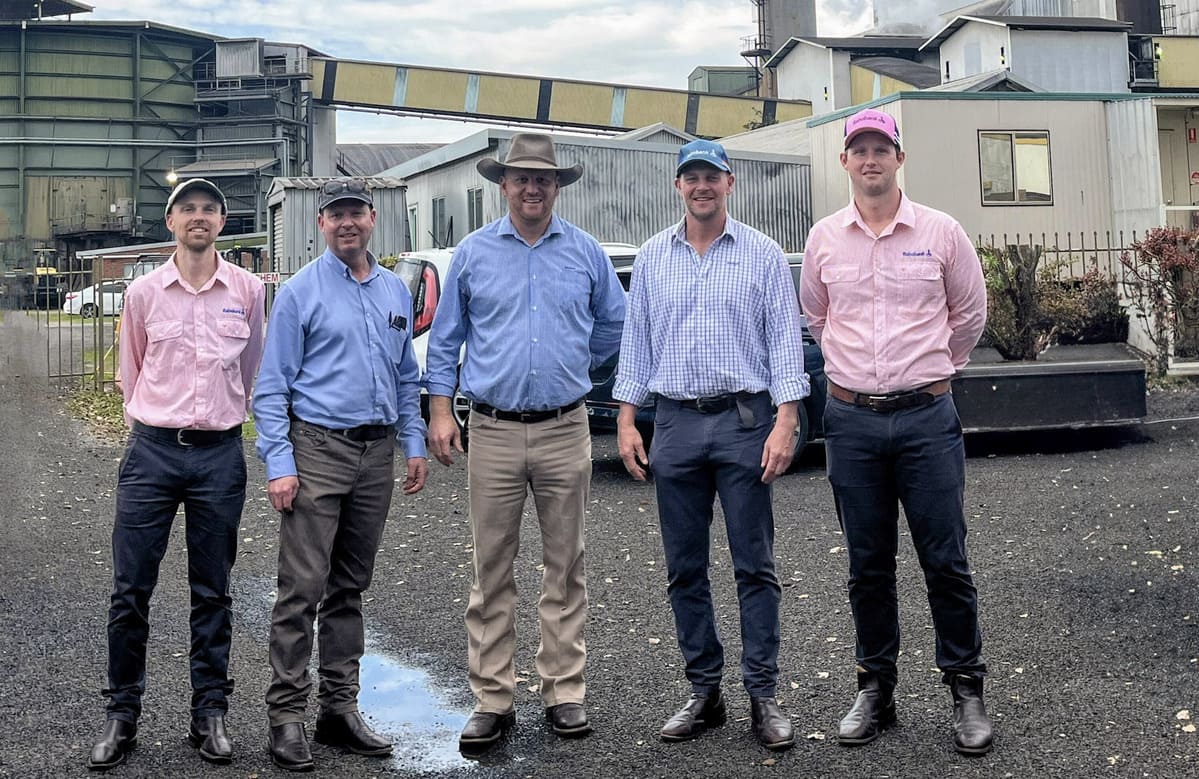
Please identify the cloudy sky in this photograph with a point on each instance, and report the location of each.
(648, 42)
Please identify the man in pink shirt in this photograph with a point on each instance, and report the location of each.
(191, 339)
(894, 293)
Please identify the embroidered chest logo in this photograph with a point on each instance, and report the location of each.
(919, 253)
(238, 311)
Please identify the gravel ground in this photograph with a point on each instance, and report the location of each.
(1083, 543)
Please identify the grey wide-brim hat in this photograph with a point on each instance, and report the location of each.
(532, 151)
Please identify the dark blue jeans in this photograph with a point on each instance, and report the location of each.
(695, 458)
(915, 458)
(154, 478)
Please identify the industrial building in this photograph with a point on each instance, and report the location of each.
(98, 119)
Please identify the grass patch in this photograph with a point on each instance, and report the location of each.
(100, 410)
(104, 412)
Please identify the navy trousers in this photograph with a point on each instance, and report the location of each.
(695, 458)
(154, 478)
(915, 458)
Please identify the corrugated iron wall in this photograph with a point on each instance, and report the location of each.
(627, 193)
(295, 237)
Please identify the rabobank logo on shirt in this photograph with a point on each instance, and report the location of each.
(238, 311)
(920, 253)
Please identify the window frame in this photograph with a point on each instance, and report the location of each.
(1016, 201)
(474, 209)
(439, 222)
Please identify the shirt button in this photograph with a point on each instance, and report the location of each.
(534, 308)
(534, 340)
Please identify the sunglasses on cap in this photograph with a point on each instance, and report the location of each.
(341, 187)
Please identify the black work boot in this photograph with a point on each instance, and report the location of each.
(972, 730)
(872, 711)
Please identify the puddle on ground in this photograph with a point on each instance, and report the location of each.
(400, 701)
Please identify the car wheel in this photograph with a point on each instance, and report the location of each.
(460, 406)
(803, 433)
(88, 310)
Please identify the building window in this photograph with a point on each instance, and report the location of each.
(439, 231)
(474, 209)
(1014, 168)
(413, 233)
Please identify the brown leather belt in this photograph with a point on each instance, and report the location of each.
(892, 401)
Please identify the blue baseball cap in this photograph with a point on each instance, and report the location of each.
(707, 152)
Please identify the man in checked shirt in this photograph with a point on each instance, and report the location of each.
(894, 294)
(191, 339)
(713, 328)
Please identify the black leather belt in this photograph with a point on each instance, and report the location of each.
(186, 436)
(360, 434)
(714, 404)
(892, 401)
(528, 417)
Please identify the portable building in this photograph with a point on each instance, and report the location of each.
(294, 238)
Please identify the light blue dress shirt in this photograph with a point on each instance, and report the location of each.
(702, 326)
(338, 354)
(534, 319)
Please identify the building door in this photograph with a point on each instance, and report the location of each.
(1165, 144)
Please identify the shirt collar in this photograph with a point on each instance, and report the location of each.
(507, 228)
(732, 229)
(170, 273)
(334, 265)
(906, 215)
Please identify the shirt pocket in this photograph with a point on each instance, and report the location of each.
(164, 341)
(572, 290)
(232, 337)
(920, 290)
(840, 274)
(919, 271)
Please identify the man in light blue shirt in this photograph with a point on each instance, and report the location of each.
(339, 387)
(713, 329)
(537, 303)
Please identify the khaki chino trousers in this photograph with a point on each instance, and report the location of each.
(507, 460)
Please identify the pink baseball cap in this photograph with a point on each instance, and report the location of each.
(871, 121)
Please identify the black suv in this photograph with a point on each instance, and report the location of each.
(602, 409)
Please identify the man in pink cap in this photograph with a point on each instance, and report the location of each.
(894, 293)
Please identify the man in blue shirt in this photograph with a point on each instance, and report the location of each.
(338, 388)
(713, 329)
(537, 303)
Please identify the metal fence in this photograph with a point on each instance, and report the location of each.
(1071, 255)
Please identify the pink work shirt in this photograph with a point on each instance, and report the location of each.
(895, 311)
(189, 356)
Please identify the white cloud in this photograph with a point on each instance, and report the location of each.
(653, 43)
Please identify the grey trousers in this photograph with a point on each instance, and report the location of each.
(327, 547)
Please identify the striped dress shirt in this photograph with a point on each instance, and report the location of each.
(701, 326)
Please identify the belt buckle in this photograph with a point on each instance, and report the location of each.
(706, 405)
(179, 437)
(878, 402)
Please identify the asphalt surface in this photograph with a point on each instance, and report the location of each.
(1084, 547)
